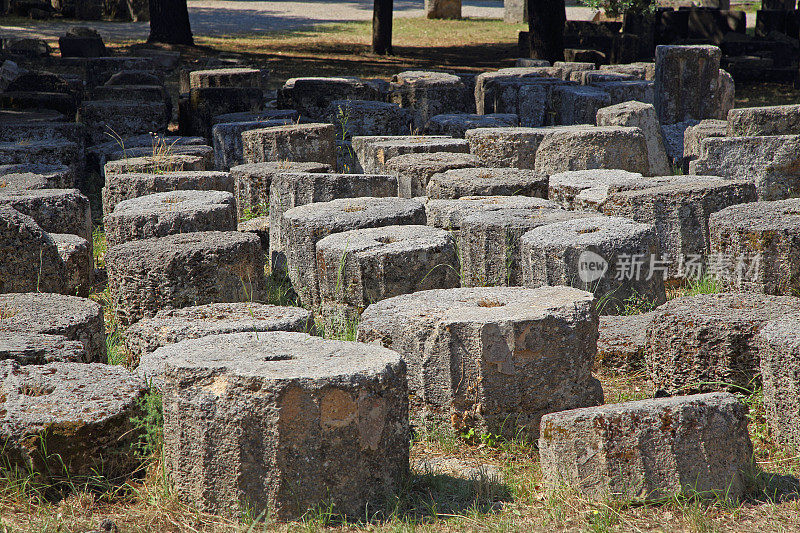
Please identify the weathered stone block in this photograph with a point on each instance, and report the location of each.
(227, 140)
(293, 189)
(124, 186)
(302, 227)
(577, 105)
(70, 317)
(428, 94)
(360, 267)
(310, 423)
(228, 77)
(378, 153)
(457, 124)
(494, 359)
(298, 143)
(182, 270)
(169, 213)
(487, 182)
(760, 245)
(489, 243)
(707, 342)
(368, 117)
(591, 254)
(70, 420)
(76, 255)
(252, 183)
(312, 96)
(608, 147)
(650, 449)
(174, 325)
(642, 116)
(685, 80)
(104, 118)
(29, 258)
(449, 214)
(621, 341)
(415, 170)
(760, 121)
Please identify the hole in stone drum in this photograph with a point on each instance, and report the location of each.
(279, 357)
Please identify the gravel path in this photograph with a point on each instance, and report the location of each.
(230, 17)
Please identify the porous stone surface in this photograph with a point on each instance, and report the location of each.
(196, 114)
(158, 151)
(76, 255)
(252, 182)
(680, 213)
(572, 189)
(650, 449)
(227, 140)
(621, 341)
(368, 117)
(297, 142)
(71, 317)
(771, 162)
(766, 236)
(359, 267)
(610, 147)
(302, 227)
(457, 124)
(52, 152)
(778, 346)
(428, 94)
(505, 147)
(39, 349)
(361, 146)
(227, 77)
(174, 325)
(306, 423)
(694, 135)
(54, 210)
(489, 243)
(70, 420)
(415, 170)
(183, 270)
(121, 187)
(487, 182)
(642, 116)
(258, 226)
(449, 214)
(293, 189)
(495, 359)
(311, 96)
(29, 258)
(706, 342)
(33, 176)
(572, 104)
(378, 153)
(159, 164)
(591, 254)
(685, 78)
(168, 213)
(768, 120)
(125, 117)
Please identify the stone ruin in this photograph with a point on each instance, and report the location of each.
(472, 226)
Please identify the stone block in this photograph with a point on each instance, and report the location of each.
(685, 80)
(312, 96)
(360, 267)
(449, 214)
(591, 254)
(428, 94)
(297, 143)
(608, 147)
(304, 226)
(621, 341)
(415, 170)
(124, 186)
(312, 423)
(650, 449)
(378, 153)
(452, 184)
(169, 213)
(367, 117)
(207, 102)
(228, 77)
(493, 359)
(758, 245)
(490, 247)
(227, 140)
(29, 258)
(577, 104)
(106, 118)
(707, 342)
(457, 124)
(761, 121)
(642, 116)
(73, 318)
(443, 9)
(70, 421)
(289, 190)
(183, 270)
(252, 183)
(76, 255)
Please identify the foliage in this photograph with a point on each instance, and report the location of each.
(151, 424)
(616, 8)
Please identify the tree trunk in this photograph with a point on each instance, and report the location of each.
(546, 19)
(382, 26)
(169, 22)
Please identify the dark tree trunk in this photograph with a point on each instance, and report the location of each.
(169, 22)
(546, 19)
(382, 26)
